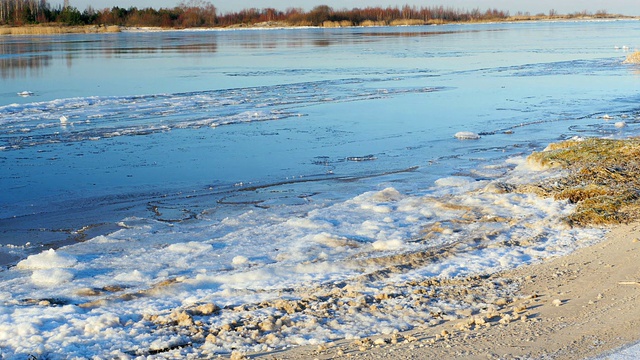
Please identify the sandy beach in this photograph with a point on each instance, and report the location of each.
(572, 307)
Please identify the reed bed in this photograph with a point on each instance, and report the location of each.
(407, 22)
(373, 23)
(54, 29)
(337, 24)
(603, 179)
(633, 58)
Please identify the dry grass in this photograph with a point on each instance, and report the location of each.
(603, 179)
(633, 58)
(337, 24)
(56, 29)
(373, 23)
(407, 22)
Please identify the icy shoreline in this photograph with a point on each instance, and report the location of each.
(386, 261)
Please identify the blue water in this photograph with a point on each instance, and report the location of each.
(171, 125)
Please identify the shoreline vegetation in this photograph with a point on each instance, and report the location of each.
(31, 17)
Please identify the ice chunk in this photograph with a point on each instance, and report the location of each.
(620, 124)
(49, 259)
(133, 276)
(25, 93)
(189, 247)
(393, 244)
(51, 277)
(466, 135)
(361, 158)
(97, 324)
(239, 260)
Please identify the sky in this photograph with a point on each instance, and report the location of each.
(626, 7)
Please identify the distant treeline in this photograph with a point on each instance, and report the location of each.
(199, 13)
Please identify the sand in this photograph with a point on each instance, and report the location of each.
(574, 307)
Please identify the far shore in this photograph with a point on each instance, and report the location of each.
(55, 29)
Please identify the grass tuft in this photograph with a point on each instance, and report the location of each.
(407, 22)
(56, 29)
(603, 179)
(633, 58)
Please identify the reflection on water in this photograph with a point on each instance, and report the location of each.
(27, 55)
(20, 67)
(22, 56)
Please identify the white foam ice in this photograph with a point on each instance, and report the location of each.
(150, 268)
(466, 135)
(49, 259)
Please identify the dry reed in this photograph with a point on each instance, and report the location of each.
(407, 22)
(603, 179)
(56, 29)
(373, 23)
(633, 58)
(337, 24)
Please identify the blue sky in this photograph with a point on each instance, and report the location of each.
(627, 7)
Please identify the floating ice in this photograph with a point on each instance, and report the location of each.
(620, 124)
(191, 110)
(361, 158)
(25, 93)
(466, 135)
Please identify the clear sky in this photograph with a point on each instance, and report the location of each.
(626, 7)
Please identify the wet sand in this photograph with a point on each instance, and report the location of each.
(572, 307)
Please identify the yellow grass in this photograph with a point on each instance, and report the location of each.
(56, 29)
(337, 24)
(603, 179)
(407, 22)
(633, 58)
(373, 23)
